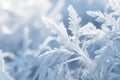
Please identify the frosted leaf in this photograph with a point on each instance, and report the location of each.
(90, 29)
(97, 14)
(50, 23)
(108, 20)
(74, 20)
(115, 6)
(59, 29)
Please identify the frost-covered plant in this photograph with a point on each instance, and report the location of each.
(85, 53)
(92, 54)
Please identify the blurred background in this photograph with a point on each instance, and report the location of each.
(21, 19)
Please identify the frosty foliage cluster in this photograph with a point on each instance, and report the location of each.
(36, 45)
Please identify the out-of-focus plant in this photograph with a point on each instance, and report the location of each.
(22, 31)
(16, 15)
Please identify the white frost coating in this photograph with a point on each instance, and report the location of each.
(104, 39)
(52, 51)
(90, 29)
(63, 37)
(74, 20)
